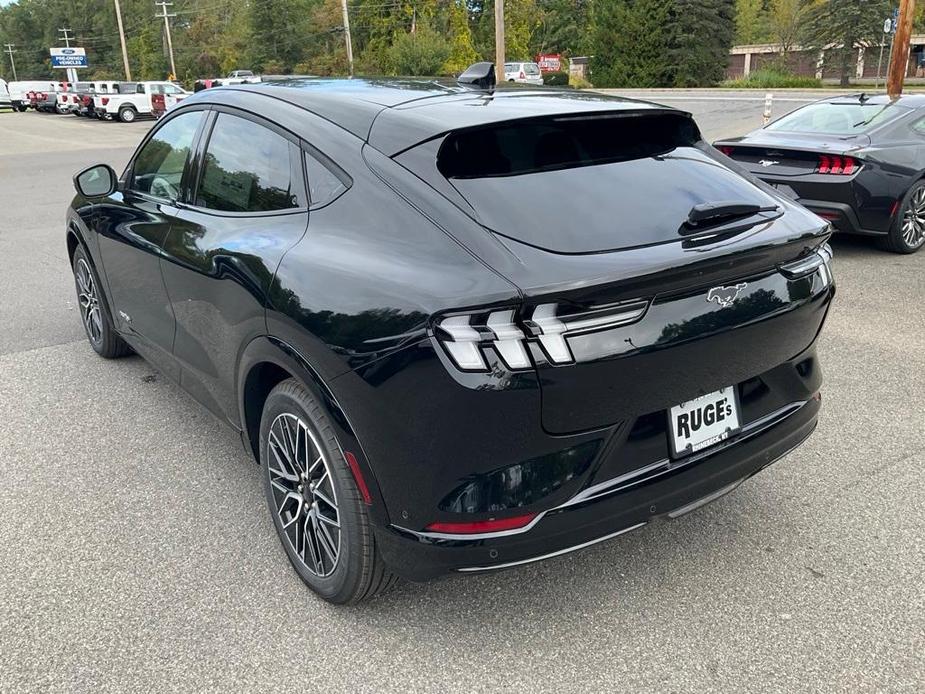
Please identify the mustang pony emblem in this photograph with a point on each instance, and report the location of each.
(724, 296)
(768, 162)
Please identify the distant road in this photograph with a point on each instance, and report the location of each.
(726, 113)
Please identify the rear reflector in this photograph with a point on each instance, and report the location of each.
(358, 477)
(493, 525)
(726, 149)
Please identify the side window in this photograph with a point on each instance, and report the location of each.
(247, 169)
(158, 168)
(324, 185)
(919, 127)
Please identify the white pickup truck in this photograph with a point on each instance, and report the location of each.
(242, 77)
(128, 106)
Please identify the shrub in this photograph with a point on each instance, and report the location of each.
(769, 78)
(421, 53)
(579, 82)
(555, 79)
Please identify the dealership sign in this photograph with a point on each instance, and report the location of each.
(549, 62)
(68, 57)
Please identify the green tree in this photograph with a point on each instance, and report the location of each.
(423, 52)
(847, 24)
(785, 20)
(699, 36)
(751, 21)
(462, 51)
(629, 43)
(564, 27)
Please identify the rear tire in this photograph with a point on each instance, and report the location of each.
(94, 310)
(907, 234)
(314, 502)
(128, 114)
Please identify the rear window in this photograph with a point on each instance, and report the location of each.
(837, 118)
(531, 69)
(590, 183)
(519, 147)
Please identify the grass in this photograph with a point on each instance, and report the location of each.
(772, 79)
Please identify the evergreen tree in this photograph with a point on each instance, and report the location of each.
(462, 52)
(846, 23)
(629, 43)
(699, 35)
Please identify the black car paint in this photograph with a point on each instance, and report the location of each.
(344, 298)
(892, 157)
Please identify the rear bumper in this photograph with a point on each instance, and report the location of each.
(861, 204)
(668, 488)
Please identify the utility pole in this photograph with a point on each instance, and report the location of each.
(9, 49)
(347, 37)
(128, 72)
(899, 58)
(499, 40)
(71, 72)
(164, 5)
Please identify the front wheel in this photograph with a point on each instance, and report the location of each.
(907, 234)
(316, 507)
(94, 314)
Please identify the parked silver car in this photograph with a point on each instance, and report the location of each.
(529, 73)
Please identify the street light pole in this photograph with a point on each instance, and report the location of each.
(128, 72)
(499, 41)
(164, 5)
(899, 58)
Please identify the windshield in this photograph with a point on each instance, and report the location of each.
(837, 118)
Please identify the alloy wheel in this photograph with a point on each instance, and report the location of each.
(89, 302)
(304, 495)
(913, 225)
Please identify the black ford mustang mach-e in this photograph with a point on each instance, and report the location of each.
(461, 328)
(857, 161)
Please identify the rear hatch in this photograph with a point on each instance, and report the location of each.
(650, 271)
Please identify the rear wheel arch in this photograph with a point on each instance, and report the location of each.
(265, 363)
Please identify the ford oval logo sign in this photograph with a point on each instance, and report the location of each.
(68, 51)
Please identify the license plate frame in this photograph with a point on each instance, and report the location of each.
(706, 436)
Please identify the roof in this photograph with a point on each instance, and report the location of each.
(395, 114)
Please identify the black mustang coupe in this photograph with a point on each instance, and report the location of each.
(460, 328)
(857, 161)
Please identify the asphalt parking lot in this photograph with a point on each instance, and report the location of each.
(136, 553)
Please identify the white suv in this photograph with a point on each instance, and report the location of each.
(528, 73)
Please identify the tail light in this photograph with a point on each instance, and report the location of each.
(819, 261)
(465, 338)
(522, 75)
(726, 149)
(837, 165)
(104, 100)
(464, 341)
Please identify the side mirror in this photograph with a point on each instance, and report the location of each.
(96, 182)
(481, 75)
